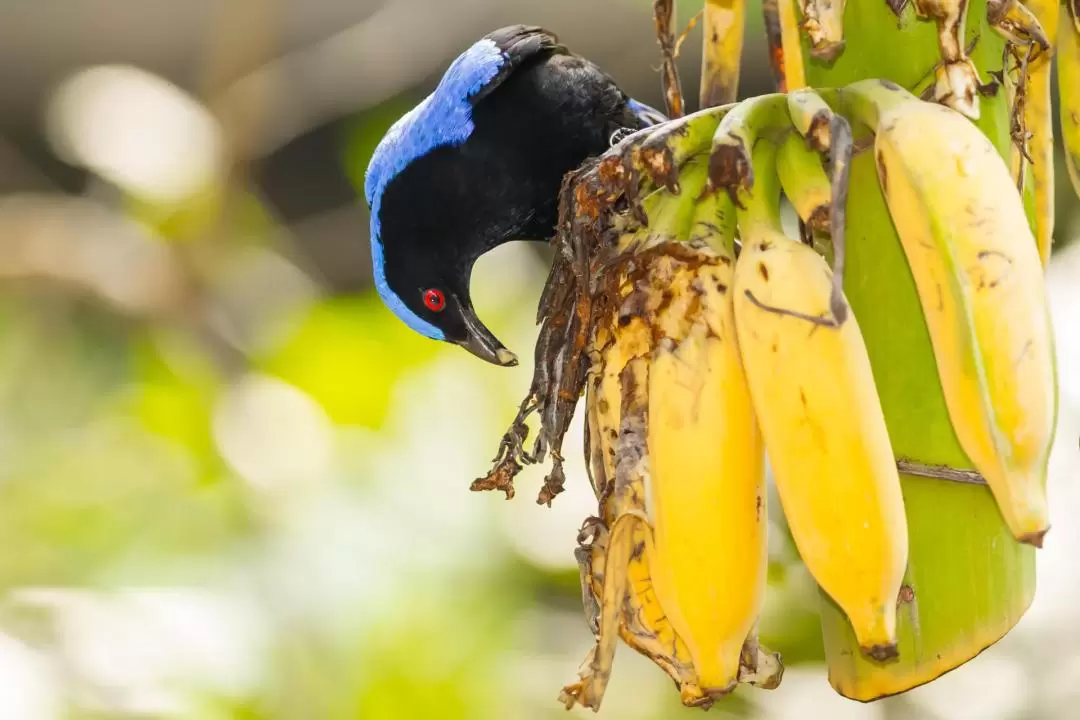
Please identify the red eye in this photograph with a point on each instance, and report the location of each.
(434, 300)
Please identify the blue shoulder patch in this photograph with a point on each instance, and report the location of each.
(442, 118)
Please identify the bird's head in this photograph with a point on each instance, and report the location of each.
(421, 274)
(432, 297)
(446, 184)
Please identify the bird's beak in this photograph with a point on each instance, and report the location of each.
(481, 343)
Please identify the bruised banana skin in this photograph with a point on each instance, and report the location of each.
(828, 443)
(706, 482)
(618, 588)
(1068, 67)
(641, 621)
(811, 116)
(980, 282)
(823, 21)
(657, 157)
(731, 167)
(617, 584)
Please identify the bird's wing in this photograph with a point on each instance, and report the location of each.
(517, 43)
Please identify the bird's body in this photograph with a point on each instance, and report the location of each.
(479, 163)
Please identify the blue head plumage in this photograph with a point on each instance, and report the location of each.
(443, 118)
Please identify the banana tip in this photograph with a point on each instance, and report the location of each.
(827, 51)
(882, 652)
(1034, 538)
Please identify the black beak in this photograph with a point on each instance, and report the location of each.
(481, 343)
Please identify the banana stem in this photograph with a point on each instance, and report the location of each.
(759, 206)
(867, 99)
(730, 165)
(664, 16)
(840, 152)
(722, 51)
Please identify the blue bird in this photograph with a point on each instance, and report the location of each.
(478, 163)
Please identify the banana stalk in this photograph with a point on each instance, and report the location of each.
(968, 581)
(782, 36)
(722, 28)
(1068, 67)
(1038, 122)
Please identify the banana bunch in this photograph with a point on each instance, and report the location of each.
(714, 339)
(705, 337)
(692, 375)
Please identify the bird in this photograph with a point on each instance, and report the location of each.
(478, 163)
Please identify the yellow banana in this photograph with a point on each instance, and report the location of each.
(616, 579)
(706, 482)
(956, 81)
(823, 21)
(1068, 67)
(723, 22)
(634, 587)
(830, 451)
(977, 270)
(616, 582)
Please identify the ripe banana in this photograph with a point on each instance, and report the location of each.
(706, 485)
(616, 582)
(829, 447)
(956, 81)
(1068, 67)
(723, 22)
(637, 583)
(977, 270)
(823, 21)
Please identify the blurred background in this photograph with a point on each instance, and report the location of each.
(232, 485)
